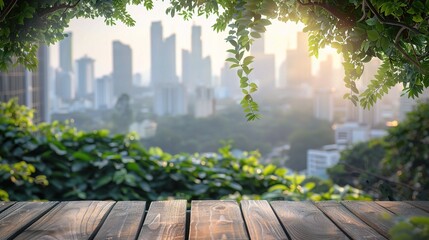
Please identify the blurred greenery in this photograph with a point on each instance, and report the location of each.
(393, 168)
(411, 228)
(84, 165)
(189, 134)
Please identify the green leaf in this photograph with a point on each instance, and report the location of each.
(233, 60)
(255, 35)
(276, 187)
(269, 169)
(102, 181)
(371, 21)
(417, 18)
(82, 156)
(236, 186)
(373, 35)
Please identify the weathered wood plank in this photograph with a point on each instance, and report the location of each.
(261, 221)
(372, 214)
(347, 221)
(420, 204)
(402, 208)
(20, 215)
(303, 220)
(165, 220)
(68, 220)
(123, 221)
(216, 220)
(4, 205)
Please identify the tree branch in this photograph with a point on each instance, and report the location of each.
(383, 21)
(58, 7)
(407, 56)
(341, 16)
(379, 177)
(7, 10)
(363, 11)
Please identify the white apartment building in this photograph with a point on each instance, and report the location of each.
(347, 134)
(318, 160)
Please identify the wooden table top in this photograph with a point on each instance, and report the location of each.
(207, 219)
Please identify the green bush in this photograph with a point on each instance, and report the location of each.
(411, 228)
(96, 165)
(392, 168)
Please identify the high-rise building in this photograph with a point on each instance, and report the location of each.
(170, 100)
(163, 57)
(298, 64)
(64, 77)
(230, 82)
(103, 93)
(197, 77)
(66, 59)
(204, 104)
(44, 83)
(264, 67)
(85, 77)
(156, 49)
(30, 88)
(122, 69)
(325, 78)
(169, 95)
(196, 70)
(168, 59)
(324, 104)
(64, 85)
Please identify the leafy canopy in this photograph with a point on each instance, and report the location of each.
(394, 31)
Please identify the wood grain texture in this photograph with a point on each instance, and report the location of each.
(68, 220)
(123, 221)
(4, 205)
(20, 215)
(261, 221)
(303, 220)
(165, 220)
(216, 220)
(347, 221)
(372, 214)
(420, 204)
(402, 208)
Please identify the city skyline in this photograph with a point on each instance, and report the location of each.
(94, 38)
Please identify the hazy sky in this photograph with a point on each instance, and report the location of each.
(94, 38)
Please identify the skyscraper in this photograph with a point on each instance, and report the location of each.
(66, 59)
(122, 69)
(64, 85)
(298, 64)
(103, 92)
(230, 82)
(169, 94)
(264, 67)
(85, 77)
(156, 48)
(163, 57)
(168, 73)
(44, 83)
(64, 78)
(170, 100)
(30, 88)
(196, 70)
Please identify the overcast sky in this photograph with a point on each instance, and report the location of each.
(94, 39)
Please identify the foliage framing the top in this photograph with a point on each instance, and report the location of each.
(394, 31)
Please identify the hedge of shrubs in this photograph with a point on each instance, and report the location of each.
(57, 162)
